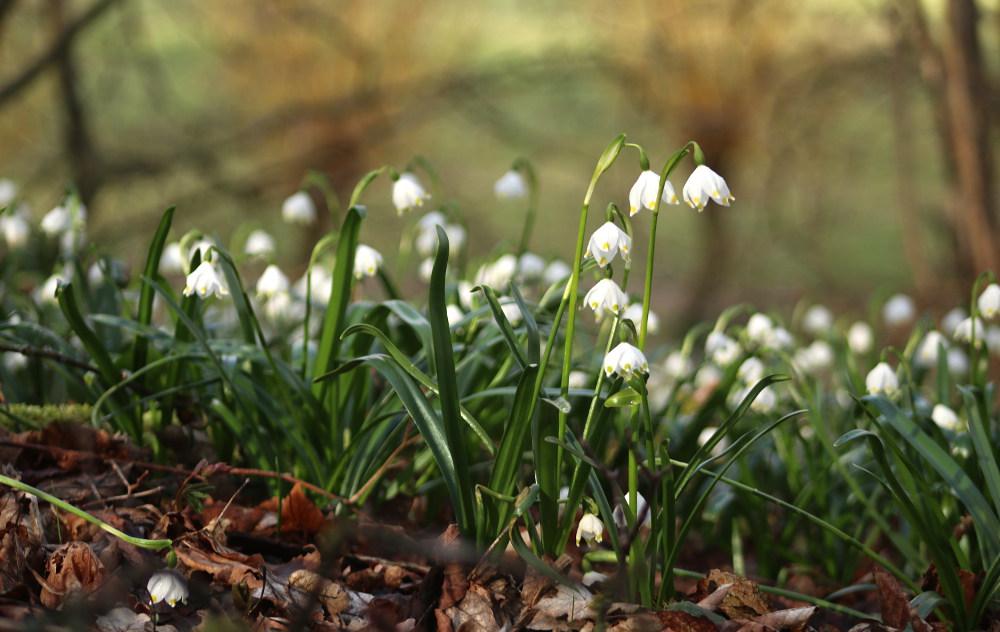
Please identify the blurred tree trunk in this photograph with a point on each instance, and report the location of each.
(957, 85)
(967, 97)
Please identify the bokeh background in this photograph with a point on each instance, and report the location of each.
(858, 136)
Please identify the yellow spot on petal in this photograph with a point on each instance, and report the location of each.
(715, 193)
(604, 261)
(606, 246)
(631, 209)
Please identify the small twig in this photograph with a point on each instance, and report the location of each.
(392, 457)
(48, 354)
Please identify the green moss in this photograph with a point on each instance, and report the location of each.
(32, 416)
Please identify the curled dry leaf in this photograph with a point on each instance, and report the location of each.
(744, 599)
(201, 552)
(332, 596)
(72, 568)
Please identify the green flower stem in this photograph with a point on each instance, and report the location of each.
(524, 166)
(154, 545)
(606, 160)
(668, 168)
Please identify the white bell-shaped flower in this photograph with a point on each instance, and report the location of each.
(605, 296)
(751, 370)
(946, 418)
(57, 221)
(703, 185)
(860, 337)
(407, 193)
(271, 282)
(818, 319)
(970, 330)
(929, 349)
(530, 266)
(206, 281)
(634, 313)
(989, 301)
(590, 529)
(641, 511)
(606, 242)
(367, 261)
(899, 310)
(8, 192)
(625, 360)
(15, 229)
(167, 585)
(299, 208)
(954, 316)
(643, 192)
(259, 242)
(759, 329)
(172, 259)
(882, 380)
(511, 186)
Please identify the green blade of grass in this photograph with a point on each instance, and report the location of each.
(505, 328)
(985, 456)
(144, 313)
(448, 385)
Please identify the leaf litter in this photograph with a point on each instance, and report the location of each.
(290, 563)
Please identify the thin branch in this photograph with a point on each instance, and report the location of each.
(52, 55)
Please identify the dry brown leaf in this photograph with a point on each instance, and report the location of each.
(567, 606)
(331, 596)
(72, 568)
(789, 619)
(892, 602)
(713, 601)
(474, 612)
(677, 621)
(744, 599)
(21, 536)
(454, 587)
(201, 552)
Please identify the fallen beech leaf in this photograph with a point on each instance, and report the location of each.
(790, 619)
(713, 601)
(299, 513)
(567, 606)
(892, 602)
(454, 587)
(201, 552)
(677, 621)
(744, 599)
(21, 536)
(474, 612)
(332, 596)
(73, 567)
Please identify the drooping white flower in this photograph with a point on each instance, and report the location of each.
(677, 365)
(57, 221)
(765, 401)
(454, 314)
(426, 241)
(367, 261)
(954, 316)
(704, 184)
(498, 273)
(271, 282)
(172, 259)
(578, 379)
(426, 269)
(722, 349)
(530, 266)
(557, 270)
(759, 328)
(634, 313)
(259, 242)
(320, 286)
(816, 358)
(407, 193)
(643, 192)
(958, 361)
(989, 301)
(512, 311)
(946, 418)
(781, 339)
(167, 585)
(899, 310)
(641, 511)
(15, 229)
(606, 242)
(511, 186)
(8, 192)
(751, 370)
(590, 529)
(970, 330)
(860, 337)
(46, 292)
(605, 296)
(882, 380)
(992, 338)
(205, 281)
(625, 360)
(706, 435)
(707, 377)
(299, 208)
(928, 351)
(817, 320)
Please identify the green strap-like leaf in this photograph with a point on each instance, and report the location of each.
(147, 292)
